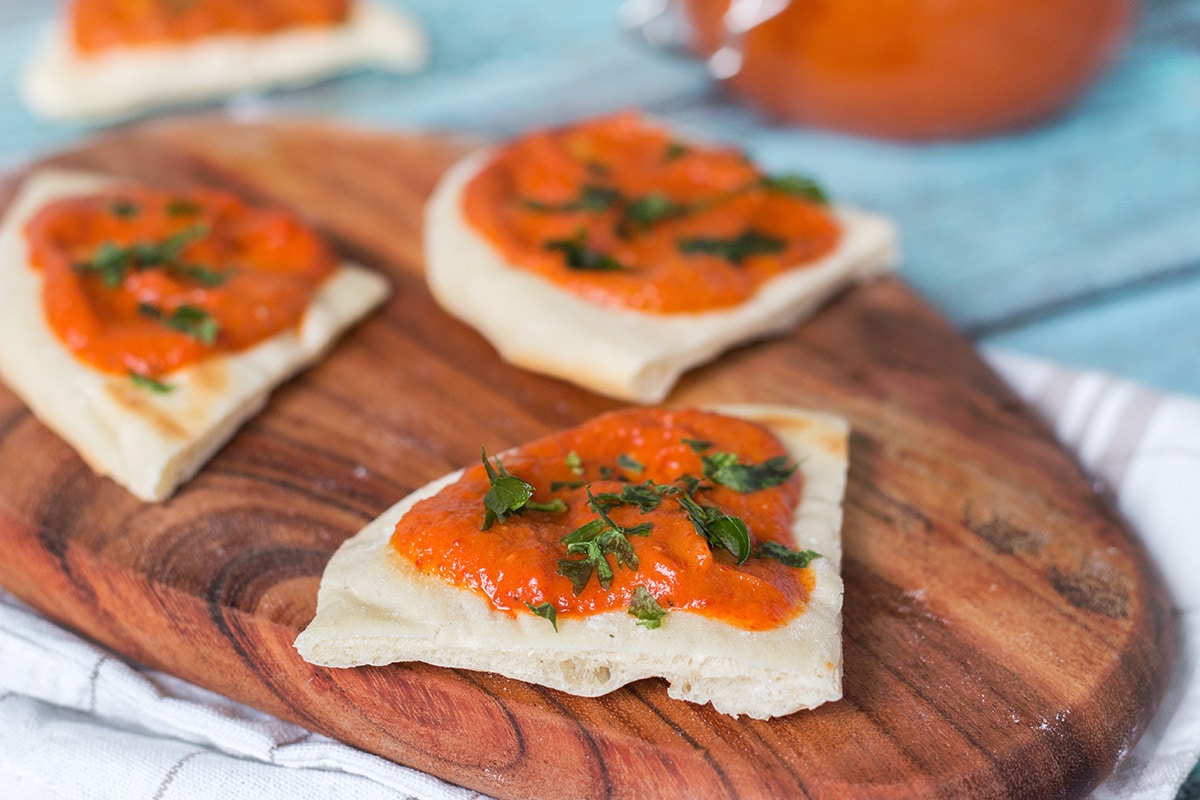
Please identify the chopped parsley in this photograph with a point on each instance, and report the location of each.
(721, 530)
(545, 611)
(591, 198)
(594, 541)
(800, 186)
(646, 496)
(150, 384)
(189, 320)
(578, 256)
(509, 494)
(675, 150)
(734, 249)
(728, 470)
(125, 209)
(644, 212)
(628, 462)
(647, 610)
(183, 208)
(787, 556)
(112, 262)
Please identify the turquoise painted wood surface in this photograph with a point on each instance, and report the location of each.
(1078, 241)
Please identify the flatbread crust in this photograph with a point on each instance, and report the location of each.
(626, 354)
(149, 442)
(58, 83)
(374, 607)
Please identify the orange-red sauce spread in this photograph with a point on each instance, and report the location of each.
(98, 25)
(517, 561)
(624, 214)
(143, 281)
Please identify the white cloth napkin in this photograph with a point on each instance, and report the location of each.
(77, 722)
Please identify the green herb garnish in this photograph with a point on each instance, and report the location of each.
(574, 463)
(510, 495)
(150, 384)
(205, 276)
(591, 198)
(646, 211)
(786, 555)
(595, 540)
(182, 208)
(545, 611)
(125, 209)
(577, 254)
(647, 610)
(626, 461)
(735, 249)
(697, 445)
(113, 261)
(646, 496)
(188, 320)
(800, 186)
(721, 530)
(727, 470)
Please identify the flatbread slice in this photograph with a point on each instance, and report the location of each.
(59, 83)
(627, 354)
(149, 442)
(374, 607)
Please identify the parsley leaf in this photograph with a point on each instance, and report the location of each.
(646, 211)
(546, 611)
(646, 496)
(125, 209)
(180, 207)
(628, 462)
(727, 470)
(647, 610)
(150, 384)
(113, 261)
(595, 540)
(591, 198)
(205, 276)
(188, 320)
(577, 254)
(509, 494)
(110, 263)
(735, 249)
(800, 186)
(786, 555)
(721, 530)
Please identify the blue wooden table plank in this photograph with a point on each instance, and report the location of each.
(1056, 240)
(1148, 333)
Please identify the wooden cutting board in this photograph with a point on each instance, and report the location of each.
(1005, 634)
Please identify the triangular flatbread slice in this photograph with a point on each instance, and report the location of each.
(146, 441)
(59, 83)
(624, 353)
(375, 607)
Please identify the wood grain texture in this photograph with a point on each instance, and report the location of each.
(1005, 634)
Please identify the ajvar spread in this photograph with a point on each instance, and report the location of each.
(623, 214)
(915, 69)
(143, 281)
(518, 563)
(99, 25)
